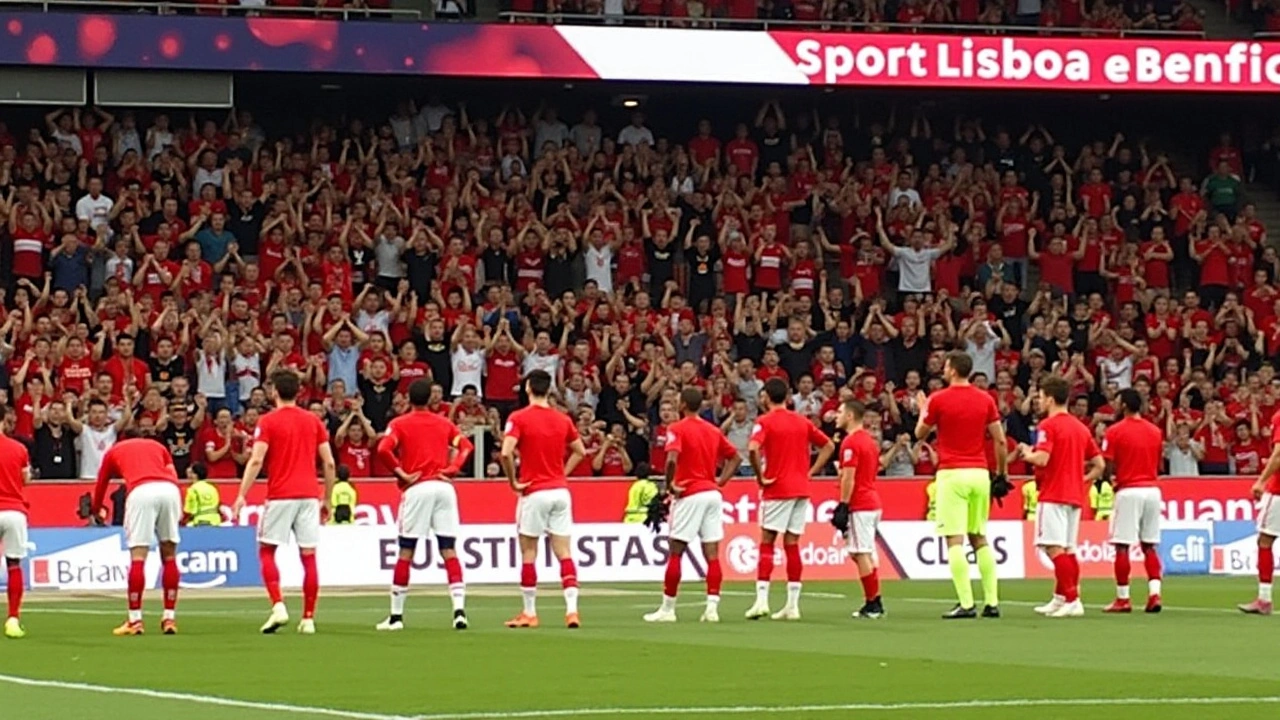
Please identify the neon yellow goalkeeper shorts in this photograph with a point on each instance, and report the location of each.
(964, 501)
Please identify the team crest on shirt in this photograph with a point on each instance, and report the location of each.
(848, 454)
(510, 426)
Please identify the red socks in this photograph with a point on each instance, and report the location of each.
(400, 574)
(528, 576)
(1266, 564)
(715, 577)
(1151, 561)
(15, 590)
(137, 582)
(795, 568)
(453, 570)
(169, 580)
(310, 586)
(1122, 567)
(1067, 572)
(764, 567)
(871, 585)
(671, 580)
(270, 573)
(568, 574)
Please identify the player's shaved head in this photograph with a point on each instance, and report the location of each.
(776, 390)
(538, 383)
(1131, 400)
(420, 392)
(286, 384)
(691, 400)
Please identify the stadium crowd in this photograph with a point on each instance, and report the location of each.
(1092, 18)
(159, 269)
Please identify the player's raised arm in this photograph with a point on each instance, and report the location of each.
(926, 422)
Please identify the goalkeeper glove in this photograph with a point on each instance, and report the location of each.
(1000, 487)
(840, 517)
(658, 508)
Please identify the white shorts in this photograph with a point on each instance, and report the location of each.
(1136, 516)
(1269, 515)
(546, 512)
(13, 534)
(429, 508)
(301, 517)
(1057, 524)
(152, 513)
(697, 517)
(862, 532)
(784, 516)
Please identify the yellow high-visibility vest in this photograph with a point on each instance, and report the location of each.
(1104, 502)
(931, 492)
(203, 504)
(639, 495)
(344, 496)
(1030, 499)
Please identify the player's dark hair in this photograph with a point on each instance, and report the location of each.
(776, 390)
(961, 362)
(420, 392)
(856, 409)
(691, 399)
(539, 383)
(1131, 401)
(1056, 388)
(199, 470)
(343, 473)
(286, 383)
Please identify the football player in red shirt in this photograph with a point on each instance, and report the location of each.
(694, 448)
(1267, 492)
(540, 434)
(15, 473)
(858, 513)
(1134, 447)
(152, 513)
(963, 415)
(287, 442)
(1063, 446)
(425, 451)
(781, 439)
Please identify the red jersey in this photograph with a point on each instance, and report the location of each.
(860, 452)
(15, 466)
(1135, 445)
(1273, 483)
(699, 448)
(1249, 457)
(961, 414)
(421, 442)
(542, 436)
(784, 437)
(1069, 444)
(735, 270)
(502, 376)
(137, 461)
(210, 440)
(291, 435)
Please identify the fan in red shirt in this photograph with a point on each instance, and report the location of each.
(857, 515)
(425, 451)
(1267, 492)
(540, 434)
(152, 513)
(963, 415)
(1134, 448)
(286, 442)
(1062, 447)
(781, 439)
(694, 448)
(15, 473)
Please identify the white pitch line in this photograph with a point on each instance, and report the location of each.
(214, 700)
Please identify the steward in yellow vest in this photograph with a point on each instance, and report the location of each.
(202, 505)
(343, 499)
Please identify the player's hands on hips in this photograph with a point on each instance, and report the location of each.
(840, 517)
(406, 479)
(1258, 489)
(518, 486)
(764, 481)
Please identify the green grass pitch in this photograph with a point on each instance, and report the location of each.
(1198, 660)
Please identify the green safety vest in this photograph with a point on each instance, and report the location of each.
(931, 492)
(344, 496)
(1102, 502)
(639, 495)
(1030, 498)
(203, 504)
